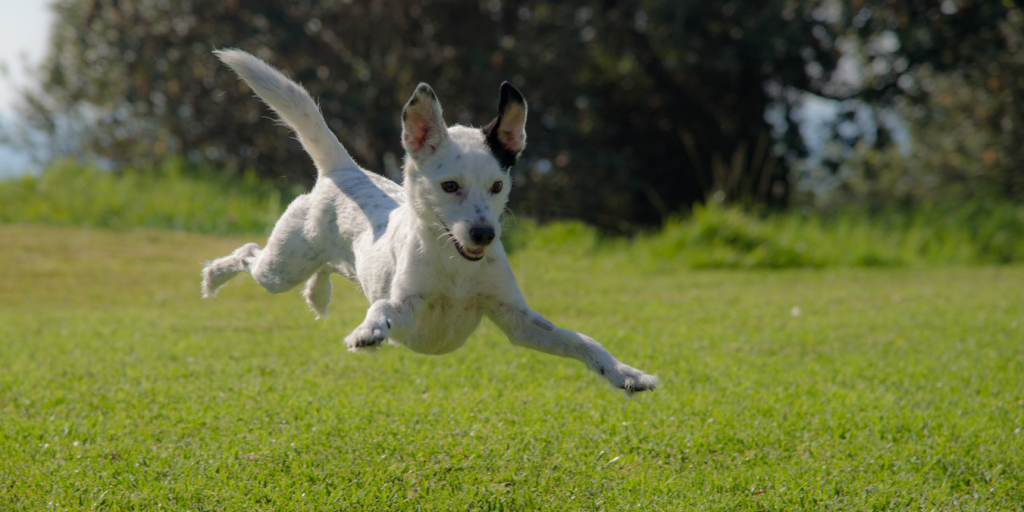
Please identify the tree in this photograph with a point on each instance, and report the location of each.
(638, 108)
(953, 72)
(134, 82)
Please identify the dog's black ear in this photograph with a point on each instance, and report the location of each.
(506, 134)
(423, 128)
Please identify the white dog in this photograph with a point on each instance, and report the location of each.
(427, 254)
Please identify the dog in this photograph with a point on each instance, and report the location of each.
(427, 253)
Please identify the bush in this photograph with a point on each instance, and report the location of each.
(714, 236)
(727, 237)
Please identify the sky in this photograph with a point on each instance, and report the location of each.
(24, 30)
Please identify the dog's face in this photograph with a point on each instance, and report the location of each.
(457, 178)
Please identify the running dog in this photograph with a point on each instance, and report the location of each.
(427, 253)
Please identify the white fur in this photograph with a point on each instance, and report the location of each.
(410, 248)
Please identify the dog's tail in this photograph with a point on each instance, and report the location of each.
(295, 106)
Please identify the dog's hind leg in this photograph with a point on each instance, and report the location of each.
(277, 268)
(318, 292)
(219, 271)
(292, 254)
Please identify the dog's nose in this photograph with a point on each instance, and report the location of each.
(482, 235)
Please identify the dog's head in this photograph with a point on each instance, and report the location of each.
(457, 178)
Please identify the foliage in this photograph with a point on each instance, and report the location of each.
(640, 108)
(182, 198)
(964, 149)
(859, 389)
(975, 232)
(949, 74)
(175, 196)
(717, 236)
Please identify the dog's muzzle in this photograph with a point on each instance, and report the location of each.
(482, 236)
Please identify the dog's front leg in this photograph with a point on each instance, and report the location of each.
(383, 317)
(527, 328)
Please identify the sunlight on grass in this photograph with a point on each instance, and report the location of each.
(121, 388)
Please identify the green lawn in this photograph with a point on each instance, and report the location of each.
(849, 389)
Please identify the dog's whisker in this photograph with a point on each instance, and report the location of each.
(446, 239)
(506, 213)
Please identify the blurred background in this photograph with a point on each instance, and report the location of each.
(640, 111)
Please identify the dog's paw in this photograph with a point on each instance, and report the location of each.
(366, 337)
(218, 272)
(630, 379)
(213, 280)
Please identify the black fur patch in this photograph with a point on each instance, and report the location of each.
(506, 158)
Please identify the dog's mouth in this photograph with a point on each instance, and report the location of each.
(470, 254)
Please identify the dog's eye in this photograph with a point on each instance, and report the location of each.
(450, 187)
(497, 187)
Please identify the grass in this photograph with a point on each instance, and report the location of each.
(836, 389)
(174, 196)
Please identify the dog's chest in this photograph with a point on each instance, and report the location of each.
(443, 323)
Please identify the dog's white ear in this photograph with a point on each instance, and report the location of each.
(506, 134)
(423, 128)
